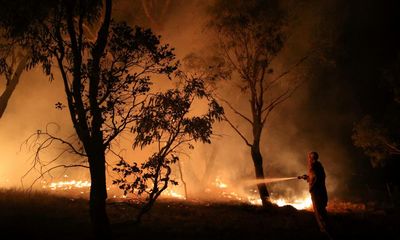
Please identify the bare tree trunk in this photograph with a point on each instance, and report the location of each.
(258, 165)
(182, 180)
(98, 194)
(210, 168)
(12, 84)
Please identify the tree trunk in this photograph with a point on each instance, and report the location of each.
(258, 165)
(210, 168)
(98, 195)
(12, 84)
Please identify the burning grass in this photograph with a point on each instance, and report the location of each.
(218, 191)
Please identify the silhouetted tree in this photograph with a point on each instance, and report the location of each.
(104, 74)
(379, 136)
(12, 64)
(376, 140)
(168, 121)
(15, 17)
(250, 35)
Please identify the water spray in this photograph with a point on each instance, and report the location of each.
(271, 180)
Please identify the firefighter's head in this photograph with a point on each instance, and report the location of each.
(312, 157)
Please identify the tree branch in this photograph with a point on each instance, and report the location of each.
(280, 99)
(282, 75)
(48, 171)
(237, 131)
(236, 111)
(12, 84)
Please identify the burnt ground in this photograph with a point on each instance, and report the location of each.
(45, 216)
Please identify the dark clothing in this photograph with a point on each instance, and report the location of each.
(319, 196)
(320, 213)
(316, 181)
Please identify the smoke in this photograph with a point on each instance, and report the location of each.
(31, 107)
(308, 121)
(299, 125)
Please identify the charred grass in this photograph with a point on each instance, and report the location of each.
(39, 215)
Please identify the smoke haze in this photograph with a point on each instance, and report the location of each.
(311, 120)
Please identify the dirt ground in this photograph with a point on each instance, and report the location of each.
(46, 216)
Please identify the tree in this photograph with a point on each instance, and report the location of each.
(167, 120)
(376, 140)
(106, 79)
(379, 136)
(250, 35)
(12, 65)
(14, 58)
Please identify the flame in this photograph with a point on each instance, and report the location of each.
(67, 185)
(172, 194)
(254, 201)
(219, 184)
(84, 184)
(224, 190)
(299, 203)
(219, 187)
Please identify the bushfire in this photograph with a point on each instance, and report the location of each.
(219, 189)
(299, 202)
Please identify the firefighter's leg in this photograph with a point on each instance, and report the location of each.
(320, 213)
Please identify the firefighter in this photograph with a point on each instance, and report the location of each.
(316, 181)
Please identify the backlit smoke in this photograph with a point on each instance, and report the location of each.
(218, 170)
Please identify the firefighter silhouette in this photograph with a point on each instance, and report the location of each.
(316, 182)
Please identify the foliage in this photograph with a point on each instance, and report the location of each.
(210, 68)
(375, 140)
(167, 119)
(379, 136)
(21, 16)
(130, 58)
(250, 34)
(13, 58)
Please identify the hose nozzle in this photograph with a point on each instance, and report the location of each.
(303, 177)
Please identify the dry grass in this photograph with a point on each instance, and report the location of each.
(41, 215)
